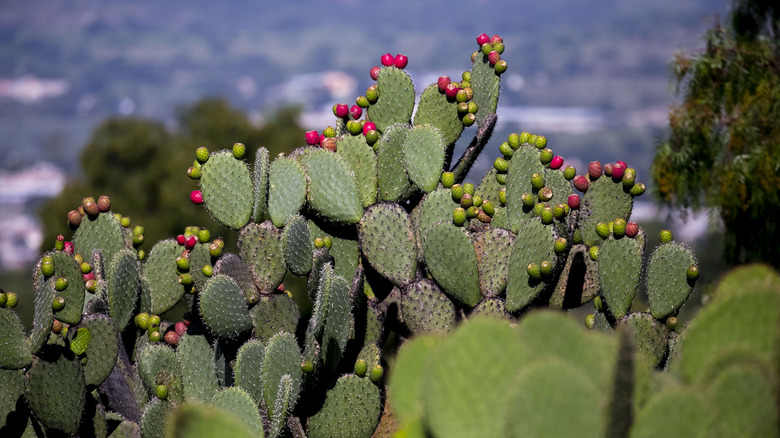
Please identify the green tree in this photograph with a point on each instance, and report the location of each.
(142, 167)
(723, 149)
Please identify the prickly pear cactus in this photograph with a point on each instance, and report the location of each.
(394, 243)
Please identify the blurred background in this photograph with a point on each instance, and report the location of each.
(112, 97)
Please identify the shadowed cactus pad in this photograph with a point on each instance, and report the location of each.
(351, 409)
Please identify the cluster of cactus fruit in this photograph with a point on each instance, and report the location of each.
(393, 243)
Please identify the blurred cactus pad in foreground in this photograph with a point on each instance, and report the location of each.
(424, 293)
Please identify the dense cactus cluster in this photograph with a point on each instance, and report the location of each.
(393, 243)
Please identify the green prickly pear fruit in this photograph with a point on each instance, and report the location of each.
(58, 303)
(307, 366)
(506, 150)
(91, 286)
(208, 270)
(501, 178)
(466, 201)
(372, 94)
(502, 196)
(459, 216)
(61, 284)
(239, 150)
(194, 172)
(204, 235)
(11, 300)
(202, 154)
(537, 181)
(602, 230)
(466, 75)
(629, 178)
(3, 298)
(90, 206)
(569, 173)
(154, 336)
(154, 321)
(372, 137)
(619, 228)
(462, 96)
(376, 373)
(185, 279)
(161, 391)
(361, 102)
(468, 188)
(80, 342)
(183, 263)
(142, 321)
(692, 274)
(486, 49)
(547, 215)
(501, 165)
(546, 156)
(59, 244)
(546, 268)
(560, 245)
(476, 200)
(354, 127)
(74, 218)
(534, 271)
(124, 221)
(559, 211)
(525, 137)
(541, 142)
(361, 368)
(593, 252)
(488, 208)
(215, 250)
(637, 189)
(513, 140)
(598, 303)
(78, 258)
(498, 47)
(463, 108)
(328, 242)
(86, 268)
(329, 132)
(319, 243)
(538, 207)
(447, 179)
(671, 323)
(545, 194)
(590, 320)
(468, 119)
(472, 212)
(666, 236)
(47, 268)
(577, 237)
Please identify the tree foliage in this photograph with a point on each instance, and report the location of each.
(723, 149)
(139, 164)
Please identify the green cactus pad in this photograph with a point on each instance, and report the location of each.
(156, 360)
(240, 403)
(425, 309)
(235, 268)
(296, 245)
(533, 244)
(619, 267)
(486, 84)
(12, 406)
(604, 201)
(321, 258)
(332, 186)
(351, 410)
(650, 337)
(561, 187)
(578, 282)
(424, 150)
(199, 257)
(56, 369)
(344, 250)
(274, 313)
(408, 377)
(260, 183)
(667, 283)
(396, 101)
(489, 187)
(192, 420)
(524, 163)
(435, 110)
(493, 247)
(153, 421)
(452, 261)
(282, 358)
(103, 350)
(743, 404)
(123, 287)
(462, 359)
(228, 191)
(249, 361)
(371, 355)
(126, 429)
(286, 189)
(223, 308)
(43, 315)
(260, 247)
(495, 307)
(435, 207)
(67, 268)
(198, 372)
(320, 307)
(363, 162)
(161, 276)
(547, 391)
(102, 233)
(673, 412)
(14, 350)
(338, 316)
(387, 240)
(392, 180)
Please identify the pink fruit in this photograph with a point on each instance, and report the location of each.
(181, 328)
(68, 247)
(574, 201)
(375, 72)
(387, 60)
(180, 239)
(190, 242)
(104, 203)
(400, 60)
(496, 39)
(312, 138)
(618, 169)
(90, 276)
(623, 163)
(172, 338)
(341, 110)
(556, 162)
(368, 126)
(482, 39)
(608, 169)
(356, 112)
(632, 229)
(443, 82)
(196, 196)
(581, 183)
(451, 90)
(594, 170)
(493, 57)
(329, 144)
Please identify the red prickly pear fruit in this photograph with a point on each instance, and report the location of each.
(493, 58)
(387, 60)
(68, 247)
(104, 203)
(632, 229)
(74, 218)
(400, 61)
(496, 39)
(375, 72)
(90, 206)
(180, 239)
(329, 144)
(190, 242)
(581, 183)
(312, 138)
(622, 163)
(442, 83)
(574, 201)
(57, 326)
(556, 162)
(594, 170)
(341, 110)
(180, 328)
(356, 112)
(608, 169)
(89, 276)
(368, 126)
(482, 39)
(196, 196)
(172, 339)
(451, 90)
(618, 170)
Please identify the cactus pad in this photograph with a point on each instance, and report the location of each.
(493, 248)
(392, 180)
(282, 359)
(435, 110)
(619, 267)
(227, 189)
(248, 369)
(274, 313)
(604, 201)
(486, 84)
(332, 186)
(198, 373)
(425, 309)
(667, 285)
(161, 276)
(260, 182)
(192, 420)
(59, 369)
(296, 245)
(123, 287)
(533, 244)
(238, 402)
(650, 337)
(102, 352)
(452, 261)
(286, 189)
(223, 308)
(103, 233)
(351, 410)
(396, 101)
(260, 247)
(14, 350)
(362, 160)
(67, 268)
(424, 156)
(388, 242)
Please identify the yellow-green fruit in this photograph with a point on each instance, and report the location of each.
(619, 228)
(602, 229)
(513, 140)
(142, 321)
(239, 150)
(593, 252)
(534, 270)
(468, 188)
(447, 179)
(692, 274)
(47, 268)
(376, 373)
(537, 181)
(671, 323)
(154, 336)
(457, 192)
(361, 368)
(590, 321)
(502, 196)
(546, 268)
(459, 216)
(307, 366)
(666, 236)
(560, 245)
(161, 391)
(328, 241)
(319, 243)
(202, 154)
(58, 303)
